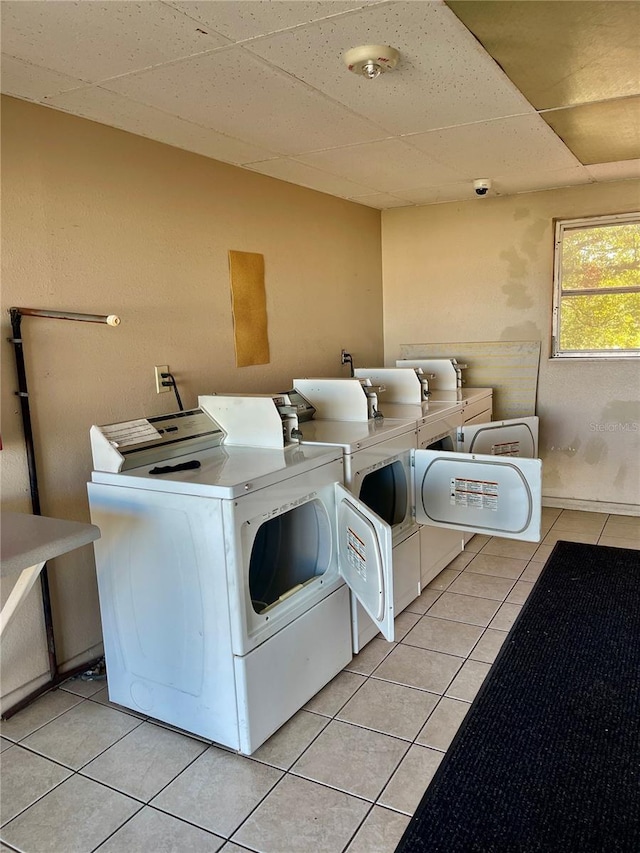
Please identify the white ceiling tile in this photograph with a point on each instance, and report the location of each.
(386, 166)
(243, 20)
(117, 111)
(23, 80)
(621, 171)
(95, 40)
(502, 146)
(444, 77)
(282, 102)
(540, 179)
(529, 181)
(457, 191)
(238, 95)
(381, 201)
(307, 176)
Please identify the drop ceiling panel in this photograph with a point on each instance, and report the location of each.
(33, 83)
(307, 176)
(96, 40)
(260, 18)
(281, 101)
(622, 171)
(456, 191)
(502, 146)
(381, 201)
(118, 111)
(237, 94)
(600, 133)
(528, 181)
(385, 166)
(444, 77)
(541, 179)
(560, 53)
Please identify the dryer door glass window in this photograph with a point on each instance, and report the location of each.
(386, 492)
(289, 552)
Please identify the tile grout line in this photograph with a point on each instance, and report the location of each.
(334, 717)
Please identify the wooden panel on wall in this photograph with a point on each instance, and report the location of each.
(249, 304)
(509, 367)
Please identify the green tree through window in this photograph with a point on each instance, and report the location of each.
(597, 287)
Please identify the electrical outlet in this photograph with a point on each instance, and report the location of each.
(159, 370)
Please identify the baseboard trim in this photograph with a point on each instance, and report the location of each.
(591, 506)
(16, 696)
(84, 657)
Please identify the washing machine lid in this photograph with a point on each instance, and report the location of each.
(351, 436)
(223, 472)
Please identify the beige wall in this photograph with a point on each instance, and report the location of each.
(96, 220)
(483, 271)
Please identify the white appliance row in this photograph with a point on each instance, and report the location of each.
(236, 581)
(221, 574)
(450, 420)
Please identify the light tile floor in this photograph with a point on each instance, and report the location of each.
(344, 774)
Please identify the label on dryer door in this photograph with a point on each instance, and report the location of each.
(356, 553)
(506, 448)
(478, 494)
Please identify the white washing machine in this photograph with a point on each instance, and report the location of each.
(221, 574)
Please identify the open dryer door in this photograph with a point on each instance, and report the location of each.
(517, 437)
(365, 558)
(480, 494)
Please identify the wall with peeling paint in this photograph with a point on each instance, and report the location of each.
(96, 220)
(483, 271)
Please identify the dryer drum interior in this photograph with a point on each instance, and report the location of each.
(386, 492)
(289, 551)
(445, 444)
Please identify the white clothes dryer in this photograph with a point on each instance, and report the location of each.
(221, 574)
(377, 465)
(462, 424)
(378, 470)
(477, 402)
(436, 428)
(419, 557)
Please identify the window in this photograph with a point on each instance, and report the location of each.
(596, 303)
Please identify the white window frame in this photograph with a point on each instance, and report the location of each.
(563, 225)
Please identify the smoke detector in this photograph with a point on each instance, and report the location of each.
(371, 60)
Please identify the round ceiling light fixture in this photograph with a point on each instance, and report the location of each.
(371, 60)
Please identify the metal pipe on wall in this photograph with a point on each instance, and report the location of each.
(16, 315)
(109, 319)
